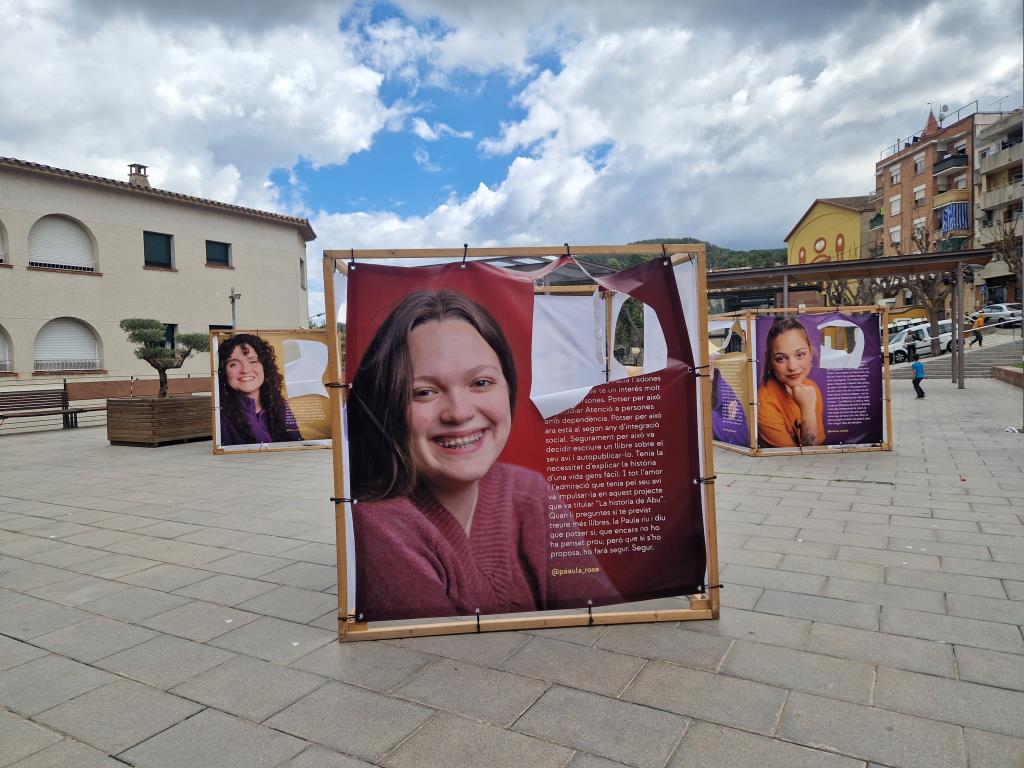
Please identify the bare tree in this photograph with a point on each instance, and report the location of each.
(1006, 243)
(931, 290)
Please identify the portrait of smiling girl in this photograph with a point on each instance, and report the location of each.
(253, 408)
(441, 527)
(789, 404)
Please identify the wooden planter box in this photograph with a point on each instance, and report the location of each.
(153, 421)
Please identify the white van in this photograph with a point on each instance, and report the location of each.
(919, 337)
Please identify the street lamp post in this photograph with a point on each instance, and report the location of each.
(233, 297)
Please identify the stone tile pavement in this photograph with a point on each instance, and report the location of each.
(171, 608)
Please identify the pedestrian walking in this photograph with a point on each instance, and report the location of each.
(918, 367)
(979, 323)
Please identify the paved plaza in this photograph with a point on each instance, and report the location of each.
(172, 609)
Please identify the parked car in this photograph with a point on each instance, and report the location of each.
(919, 338)
(1009, 314)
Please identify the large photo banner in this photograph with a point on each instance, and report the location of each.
(730, 383)
(819, 379)
(269, 390)
(494, 467)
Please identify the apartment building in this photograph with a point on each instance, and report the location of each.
(78, 253)
(997, 203)
(926, 184)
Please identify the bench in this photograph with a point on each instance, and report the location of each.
(42, 402)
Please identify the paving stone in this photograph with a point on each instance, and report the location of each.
(468, 690)
(752, 557)
(574, 665)
(994, 570)
(45, 682)
(750, 625)
(1002, 670)
(993, 750)
(1014, 589)
(583, 760)
(215, 740)
(166, 577)
(812, 549)
(978, 634)
(708, 744)
(667, 643)
(20, 738)
(486, 650)
(927, 656)
(342, 717)
(164, 661)
(800, 670)
(134, 604)
(38, 617)
(248, 565)
(583, 635)
(952, 701)
(814, 608)
(833, 568)
(14, 652)
(708, 696)
(868, 733)
(740, 596)
(322, 554)
(10, 599)
(789, 581)
(367, 664)
(77, 590)
(117, 716)
(291, 603)
(628, 733)
(886, 595)
(249, 688)
(319, 757)
(986, 609)
(281, 642)
(199, 621)
(94, 638)
(224, 589)
(945, 582)
(113, 566)
(67, 754)
(304, 575)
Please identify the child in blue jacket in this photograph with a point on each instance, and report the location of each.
(918, 368)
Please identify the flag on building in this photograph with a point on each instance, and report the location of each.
(954, 217)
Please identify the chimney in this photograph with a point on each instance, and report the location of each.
(137, 175)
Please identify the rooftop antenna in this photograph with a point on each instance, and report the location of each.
(999, 103)
(943, 112)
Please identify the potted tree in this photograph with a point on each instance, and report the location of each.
(162, 419)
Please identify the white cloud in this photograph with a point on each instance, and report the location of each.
(428, 132)
(422, 158)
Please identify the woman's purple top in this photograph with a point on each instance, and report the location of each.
(258, 423)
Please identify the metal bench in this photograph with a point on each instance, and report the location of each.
(42, 402)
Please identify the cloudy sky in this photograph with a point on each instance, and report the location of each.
(439, 122)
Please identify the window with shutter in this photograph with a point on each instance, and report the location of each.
(5, 352)
(218, 254)
(66, 344)
(57, 242)
(157, 250)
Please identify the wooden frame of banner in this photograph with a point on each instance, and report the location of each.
(702, 606)
(277, 447)
(749, 316)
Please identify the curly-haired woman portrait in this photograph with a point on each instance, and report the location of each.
(789, 405)
(441, 527)
(252, 405)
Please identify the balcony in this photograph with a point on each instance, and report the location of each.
(989, 233)
(1001, 159)
(1000, 196)
(876, 221)
(66, 365)
(949, 164)
(951, 196)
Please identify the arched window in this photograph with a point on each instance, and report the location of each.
(58, 242)
(5, 351)
(4, 258)
(66, 344)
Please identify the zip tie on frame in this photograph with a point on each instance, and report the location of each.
(705, 480)
(344, 500)
(465, 249)
(703, 588)
(478, 620)
(590, 613)
(696, 370)
(352, 258)
(567, 250)
(338, 385)
(664, 255)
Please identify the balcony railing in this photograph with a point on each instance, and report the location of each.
(63, 267)
(949, 164)
(951, 196)
(989, 233)
(1000, 159)
(876, 221)
(67, 365)
(994, 198)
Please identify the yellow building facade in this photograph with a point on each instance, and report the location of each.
(832, 229)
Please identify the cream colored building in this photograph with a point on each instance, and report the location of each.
(997, 202)
(79, 253)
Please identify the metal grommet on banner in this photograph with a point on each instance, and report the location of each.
(352, 258)
(705, 480)
(344, 500)
(696, 370)
(465, 249)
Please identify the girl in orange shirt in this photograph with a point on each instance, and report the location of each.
(789, 405)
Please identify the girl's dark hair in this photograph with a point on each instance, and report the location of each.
(782, 324)
(270, 391)
(378, 428)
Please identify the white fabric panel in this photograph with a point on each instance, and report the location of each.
(563, 356)
(655, 346)
(65, 339)
(341, 296)
(57, 240)
(303, 375)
